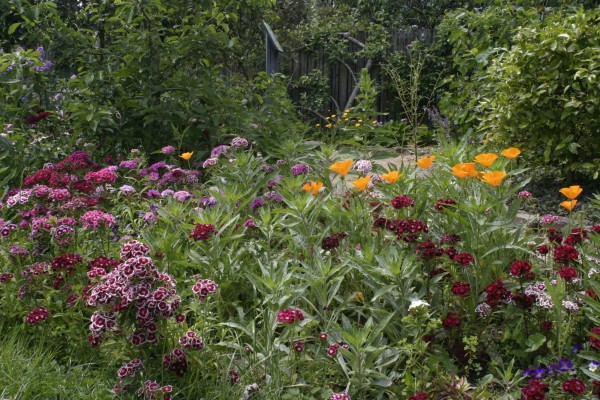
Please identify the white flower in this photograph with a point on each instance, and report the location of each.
(417, 303)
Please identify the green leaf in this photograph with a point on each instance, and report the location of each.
(535, 341)
(13, 28)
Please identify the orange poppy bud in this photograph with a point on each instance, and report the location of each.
(569, 204)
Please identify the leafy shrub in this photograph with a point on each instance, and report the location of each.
(546, 92)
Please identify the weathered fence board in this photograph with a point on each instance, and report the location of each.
(342, 76)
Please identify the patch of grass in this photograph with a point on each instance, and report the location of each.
(30, 371)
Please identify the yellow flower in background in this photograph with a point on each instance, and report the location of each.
(318, 125)
(312, 187)
(333, 115)
(511, 152)
(341, 167)
(569, 204)
(328, 126)
(187, 156)
(391, 176)
(572, 192)
(463, 170)
(361, 183)
(486, 159)
(494, 178)
(425, 162)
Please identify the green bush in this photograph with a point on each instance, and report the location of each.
(547, 92)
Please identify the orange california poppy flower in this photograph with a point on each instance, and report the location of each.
(425, 162)
(312, 187)
(341, 167)
(464, 169)
(569, 204)
(361, 183)
(187, 156)
(572, 192)
(494, 178)
(486, 159)
(391, 176)
(511, 152)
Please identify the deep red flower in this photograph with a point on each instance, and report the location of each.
(496, 292)
(461, 288)
(546, 325)
(419, 396)
(464, 259)
(203, 231)
(568, 273)
(520, 268)
(428, 250)
(452, 320)
(573, 386)
(576, 236)
(595, 341)
(403, 201)
(565, 253)
(535, 390)
(542, 249)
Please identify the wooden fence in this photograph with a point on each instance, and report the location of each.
(341, 80)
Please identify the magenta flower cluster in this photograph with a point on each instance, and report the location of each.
(289, 316)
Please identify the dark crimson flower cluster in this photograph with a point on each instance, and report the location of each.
(554, 236)
(203, 231)
(204, 287)
(542, 249)
(573, 386)
(441, 204)
(451, 239)
(191, 341)
(535, 390)
(463, 259)
(594, 340)
(419, 396)
(403, 201)
(576, 236)
(37, 117)
(496, 293)
(289, 316)
(428, 250)
(520, 268)
(452, 320)
(66, 262)
(77, 161)
(565, 253)
(461, 288)
(567, 273)
(176, 362)
(522, 299)
(410, 229)
(5, 277)
(37, 315)
(330, 242)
